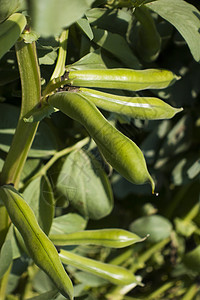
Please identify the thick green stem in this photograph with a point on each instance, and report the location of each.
(25, 132)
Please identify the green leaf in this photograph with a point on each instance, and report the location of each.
(90, 279)
(184, 227)
(39, 196)
(30, 167)
(48, 59)
(192, 259)
(84, 24)
(5, 257)
(16, 251)
(92, 60)
(51, 16)
(158, 227)
(45, 296)
(84, 183)
(67, 224)
(187, 169)
(117, 45)
(185, 17)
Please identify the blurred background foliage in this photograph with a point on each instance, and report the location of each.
(110, 34)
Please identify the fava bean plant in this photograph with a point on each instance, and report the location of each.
(99, 141)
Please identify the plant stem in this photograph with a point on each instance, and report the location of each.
(3, 283)
(192, 291)
(25, 132)
(60, 65)
(58, 155)
(148, 253)
(193, 212)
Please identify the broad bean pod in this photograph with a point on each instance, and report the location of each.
(149, 108)
(39, 247)
(114, 274)
(114, 238)
(122, 153)
(126, 79)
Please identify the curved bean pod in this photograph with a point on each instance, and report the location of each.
(114, 238)
(126, 79)
(149, 108)
(114, 274)
(40, 248)
(122, 153)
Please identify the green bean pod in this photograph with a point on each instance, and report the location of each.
(114, 274)
(127, 79)
(149, 42)
(40, 248)
(114, 238)
(122, 153)
(149, 108)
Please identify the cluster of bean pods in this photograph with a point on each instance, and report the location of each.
(81, 105)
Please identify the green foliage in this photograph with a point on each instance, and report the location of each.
(75, 192)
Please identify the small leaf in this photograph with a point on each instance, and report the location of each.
(84, 24)
(38, 114)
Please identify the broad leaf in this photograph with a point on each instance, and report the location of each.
(117, 45)
(50, 16)
(185, 17)
(67, 224)
(156, 226)
(85, 185)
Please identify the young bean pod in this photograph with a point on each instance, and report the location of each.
(149, 108)
(114, 238)
(114, 274)
(40, 248)
(122, 153)
(126, 79)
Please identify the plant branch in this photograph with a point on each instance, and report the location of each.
(25, 132)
